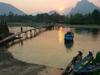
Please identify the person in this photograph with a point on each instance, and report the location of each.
(1, 36)
(57, 24)
(74, 59)
(21, 29)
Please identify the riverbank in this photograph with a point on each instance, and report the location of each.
(25, 24)
(81, 26)
(11, 66)
(34, 24)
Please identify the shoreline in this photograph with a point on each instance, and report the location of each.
(11, 66)
(62, 25)
(81, 26)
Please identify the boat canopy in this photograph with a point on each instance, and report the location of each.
(69, 32)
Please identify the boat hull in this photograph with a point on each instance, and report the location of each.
(73, 63)
(69, 38)
(84, 62)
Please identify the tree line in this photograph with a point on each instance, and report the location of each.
(90, 18)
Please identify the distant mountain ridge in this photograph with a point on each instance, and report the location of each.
(67, 10)
(84, 7)
(52, 12)
(6, 8)
(64, 12)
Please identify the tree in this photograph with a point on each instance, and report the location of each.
(54, 17)
(10, 16)
(76, 18)
(95, 15)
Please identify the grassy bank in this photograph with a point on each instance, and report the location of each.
(95, 61)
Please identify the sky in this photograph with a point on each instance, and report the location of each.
(44, 6)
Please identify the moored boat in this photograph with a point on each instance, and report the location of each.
(69, 36)
(73, 63)
(84, 62)
(89, 69)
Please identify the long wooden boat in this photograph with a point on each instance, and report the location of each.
(84, 62)
(89, 69)
(73, 63)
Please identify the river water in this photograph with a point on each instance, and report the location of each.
(48, 48)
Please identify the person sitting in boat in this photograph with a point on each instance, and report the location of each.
(80, 52)
(90, 52)
(74, 59)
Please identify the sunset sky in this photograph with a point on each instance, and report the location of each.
(36, 6)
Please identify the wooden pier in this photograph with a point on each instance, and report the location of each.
(18, 34)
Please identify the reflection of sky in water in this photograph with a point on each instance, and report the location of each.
(48, 48)
(61, 37)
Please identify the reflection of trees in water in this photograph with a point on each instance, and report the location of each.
(69, 45)
(94, 31)
(78, 30)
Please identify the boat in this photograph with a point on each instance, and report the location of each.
(89, 69)
(84, 62)
(69, 36)
(73, 63)
(83, 69)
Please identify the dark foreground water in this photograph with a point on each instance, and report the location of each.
(49, 48)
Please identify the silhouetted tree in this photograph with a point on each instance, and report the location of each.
(90, 18)
(54, 17)
(10, 16)
(95, 15)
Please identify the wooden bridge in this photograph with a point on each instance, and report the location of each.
(18, 34)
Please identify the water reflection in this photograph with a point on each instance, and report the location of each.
(78, 30)
(60, 34)
(20, 40)
(50, 49)
(94, 32)
(69, 44)
(26, 36)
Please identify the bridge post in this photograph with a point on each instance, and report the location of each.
(26, 34)
(39, 30)
(35, 32)
(31, 32)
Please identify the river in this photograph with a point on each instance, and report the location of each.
(48, 48)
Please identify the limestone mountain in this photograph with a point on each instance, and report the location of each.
(67, 10)
(84, 7)
(6, 8)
